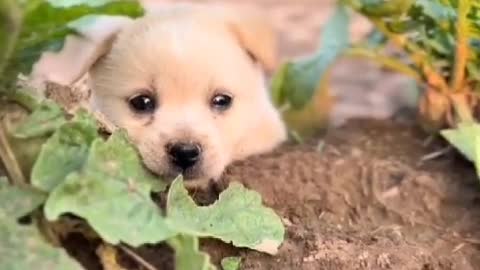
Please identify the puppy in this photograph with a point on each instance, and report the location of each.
(186, 81)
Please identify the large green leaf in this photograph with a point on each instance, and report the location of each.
(118, 159)
(466, 138)
(238, 217)
(17, 201)
(296, 82)
(44, 27)
(112, 192)
(44, 120)
(109, 187)
(10, 24)
(23, 247)
(71, 3)
(65, 152)
(187, 254)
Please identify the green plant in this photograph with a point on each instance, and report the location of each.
(31, 27)
(439, 41)
(300, 88)
(59, 164)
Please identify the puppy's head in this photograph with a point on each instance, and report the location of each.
(187, 84)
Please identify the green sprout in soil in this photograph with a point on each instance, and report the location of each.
(436, 43)
(62, 170)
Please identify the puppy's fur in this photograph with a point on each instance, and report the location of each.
(183, 55)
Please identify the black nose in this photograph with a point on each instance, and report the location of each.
(184, 155)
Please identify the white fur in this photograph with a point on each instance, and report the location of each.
(183, 55)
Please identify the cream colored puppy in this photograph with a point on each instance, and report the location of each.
(187, 83)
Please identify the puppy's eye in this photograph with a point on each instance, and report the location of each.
(142, 103)
(221, 102)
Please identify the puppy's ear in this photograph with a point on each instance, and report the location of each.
(249, 25)
(255, 34)
(79, 53)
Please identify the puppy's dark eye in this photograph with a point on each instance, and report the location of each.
(221, 102)
(142, 103)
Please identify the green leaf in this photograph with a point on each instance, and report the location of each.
(474, 71)
(466, 138)
(385, 8)
(25, 98)
(87, 22)
(187, 254)
(71, 3)
(436, 10)
(231, 263)
(296, 82)
(238, 217)
(375, 39)
(118, 159)
(279, 89)
(401, 26)
(10, 25)
(44, 27)
(44, 120)
(112, 192)
(23, 247)
(19, 201)
(65, 152)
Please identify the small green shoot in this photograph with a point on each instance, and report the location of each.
(231, 263)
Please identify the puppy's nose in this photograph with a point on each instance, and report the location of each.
(184, 155)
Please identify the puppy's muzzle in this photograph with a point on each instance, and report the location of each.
(184, 155)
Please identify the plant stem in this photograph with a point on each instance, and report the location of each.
(24, 100)
(462, 107)
(417, 55)
(137, 257)
(11, 17)
(46, 229)
(9, 160)
(385, 61)
(463, 50)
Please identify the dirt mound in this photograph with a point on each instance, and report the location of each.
(362, 199)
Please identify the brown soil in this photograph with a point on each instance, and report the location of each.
(360, 199)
